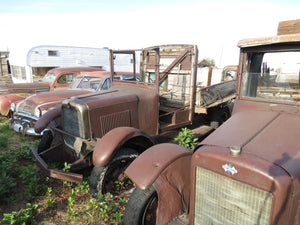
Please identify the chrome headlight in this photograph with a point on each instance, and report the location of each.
(37, 112)
(12, 107)
(44, 111)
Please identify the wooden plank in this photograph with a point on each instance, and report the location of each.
(288, 27)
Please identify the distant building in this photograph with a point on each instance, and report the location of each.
(4, 63)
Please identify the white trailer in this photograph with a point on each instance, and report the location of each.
(25, 64)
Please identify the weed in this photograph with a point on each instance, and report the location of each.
(109, 208)
(3, 142)
(7, 184)
(24, 153)
(123, 184)
(31, 181)
(83, 187)
(24, 216)
(8, 177)
(71, 199)
(185, 139)
(51, 200)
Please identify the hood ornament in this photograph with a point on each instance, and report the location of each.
(229, 169)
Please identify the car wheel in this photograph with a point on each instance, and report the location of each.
(46, 141)
(141, 207)
(219, 116)
(111, 178)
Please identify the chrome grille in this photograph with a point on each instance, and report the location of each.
(220, 200)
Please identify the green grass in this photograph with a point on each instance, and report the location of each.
(27, 196)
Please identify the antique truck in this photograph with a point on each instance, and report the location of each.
(130, 117)
(54, 79)
(245, 172)
(28, 111)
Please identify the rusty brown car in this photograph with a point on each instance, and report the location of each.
(28, 111)
(54, 79)
(248, 170)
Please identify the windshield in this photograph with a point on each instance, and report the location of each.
(86, 83)
(49, 77)
(273, 75)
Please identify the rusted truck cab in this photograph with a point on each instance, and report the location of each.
(248, 170)
(106, 131)
(131, 105)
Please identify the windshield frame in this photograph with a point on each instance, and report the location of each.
(78, 81)
(52, 74)
(247, 54)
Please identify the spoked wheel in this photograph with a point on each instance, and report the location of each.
(141, 207)
(111, 178)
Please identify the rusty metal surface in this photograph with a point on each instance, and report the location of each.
(6, 100)
(54, 97)
(151, 163)
(73, 177)
(68, 70)
(166, 166)
(268, 134)
(24, 88)
(173, 189)
(46, 118)
(252, 170)
(269, 40)
(14, 93)
(113, 140)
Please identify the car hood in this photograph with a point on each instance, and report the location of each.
(47, 100)
(269, 135)
(24, 88)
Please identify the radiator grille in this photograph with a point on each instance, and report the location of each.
(220, 200)
(72, 124)
(113, 120)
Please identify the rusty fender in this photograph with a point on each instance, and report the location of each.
(5, 102)
(43, 122)
(166, 167)
(114, 140)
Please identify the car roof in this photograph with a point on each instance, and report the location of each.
(74, 69)
(102, 73)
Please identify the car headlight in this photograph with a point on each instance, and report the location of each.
(12, 107)
(43, 112)
(37, 112)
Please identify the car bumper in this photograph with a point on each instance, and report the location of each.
(58, 174)
(24, 124)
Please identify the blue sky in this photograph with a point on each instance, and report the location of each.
(214, 25)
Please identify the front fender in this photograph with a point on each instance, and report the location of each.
(5, 102)
(113, 140)
(44, 120)
(145, 170)
(167, 168)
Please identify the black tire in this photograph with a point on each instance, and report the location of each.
(219, 116)
(141, 207)
(45, 142)
(103, 179)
